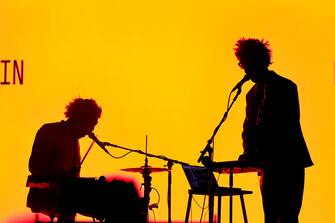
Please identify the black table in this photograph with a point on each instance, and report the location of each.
(231, 168)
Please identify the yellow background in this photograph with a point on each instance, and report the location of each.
(163, 69)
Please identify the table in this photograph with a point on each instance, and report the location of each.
(231, 168)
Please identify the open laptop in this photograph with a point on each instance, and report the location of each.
(198, 178)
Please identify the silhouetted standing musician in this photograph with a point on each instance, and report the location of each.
(272, 134)
(56, 152)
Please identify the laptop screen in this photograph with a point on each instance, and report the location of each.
(198, 177)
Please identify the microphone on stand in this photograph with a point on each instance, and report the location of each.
(97, 141)
(239, 84)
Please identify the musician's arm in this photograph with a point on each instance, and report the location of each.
(39, 161)
(249, 133)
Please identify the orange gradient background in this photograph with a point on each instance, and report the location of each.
(163, 69)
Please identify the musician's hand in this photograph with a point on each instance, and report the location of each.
(243, 157)
(75, 171)
(250, 156)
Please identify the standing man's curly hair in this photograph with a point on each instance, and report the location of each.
(83, 109)
(251, 51)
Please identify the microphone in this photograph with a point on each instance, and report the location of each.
(97, 141)
(239, 84)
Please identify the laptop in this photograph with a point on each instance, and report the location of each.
(198, 178)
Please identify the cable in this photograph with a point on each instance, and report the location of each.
(102, 145)
(203, 208)
(198, 203)
(155, 205)
(119, 157)
(229, 100)
(153, 212)
(218, 177)
(206, 213)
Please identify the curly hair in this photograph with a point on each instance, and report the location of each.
(251, 51)
(83, 109)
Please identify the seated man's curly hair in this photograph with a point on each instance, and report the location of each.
(253, 52)
(83, 109)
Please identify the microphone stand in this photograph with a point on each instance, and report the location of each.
(147, 178)
(169, 165)
(208, 148)
(147, 182)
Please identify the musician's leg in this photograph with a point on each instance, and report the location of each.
(270, 196)
(292, 195)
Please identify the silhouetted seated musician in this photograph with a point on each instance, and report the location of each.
(55, 186)
(56, 153)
